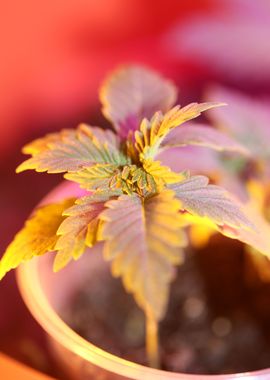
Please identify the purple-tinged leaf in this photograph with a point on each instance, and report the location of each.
(210, 201)
(143, 239)
(133, 93)
(198, 160)
(202, 135)
(231, 43)
(258, 238)
(246, 119)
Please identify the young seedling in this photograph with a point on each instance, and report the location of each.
(137, 206)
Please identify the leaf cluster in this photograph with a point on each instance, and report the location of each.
(136, 205)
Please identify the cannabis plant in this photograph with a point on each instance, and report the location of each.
(135, 205)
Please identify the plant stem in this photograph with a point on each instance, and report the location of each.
(152, 344)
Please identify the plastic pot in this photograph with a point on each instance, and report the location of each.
(45, 293)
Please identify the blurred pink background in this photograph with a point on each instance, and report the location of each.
(54, 55)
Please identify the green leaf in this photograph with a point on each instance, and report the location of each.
(70, 151)
(79, 230)
(151, 134)
(37, 237)
(143, 239)
(132, 93)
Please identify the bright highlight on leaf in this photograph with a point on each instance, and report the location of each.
(143, 239)
(37, 237)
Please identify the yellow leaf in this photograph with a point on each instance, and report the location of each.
(41, 144)
(97, 177)
(151, 134)
(37, 237)
(79, 230)
(162, 174)
(73, 150)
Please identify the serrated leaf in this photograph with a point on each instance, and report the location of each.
(151, 134)
(143, 239)
(79, 230)
(126, 180)
(37, 237)
(257, 238)
(210, 201)
(73, 150)
(41, 144)
(98, 177)
(132, 93)
(162, 174)
(202, 135)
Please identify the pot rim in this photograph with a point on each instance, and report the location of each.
(34, 297)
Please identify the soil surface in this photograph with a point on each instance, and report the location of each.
(218, 320)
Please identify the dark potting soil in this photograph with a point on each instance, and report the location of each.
(218, 319)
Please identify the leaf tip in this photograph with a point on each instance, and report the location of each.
(20, 168)
(56, 268)
(2, 272)
(216, 104)
(58, 264)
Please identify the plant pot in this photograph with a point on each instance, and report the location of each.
(45, 293)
